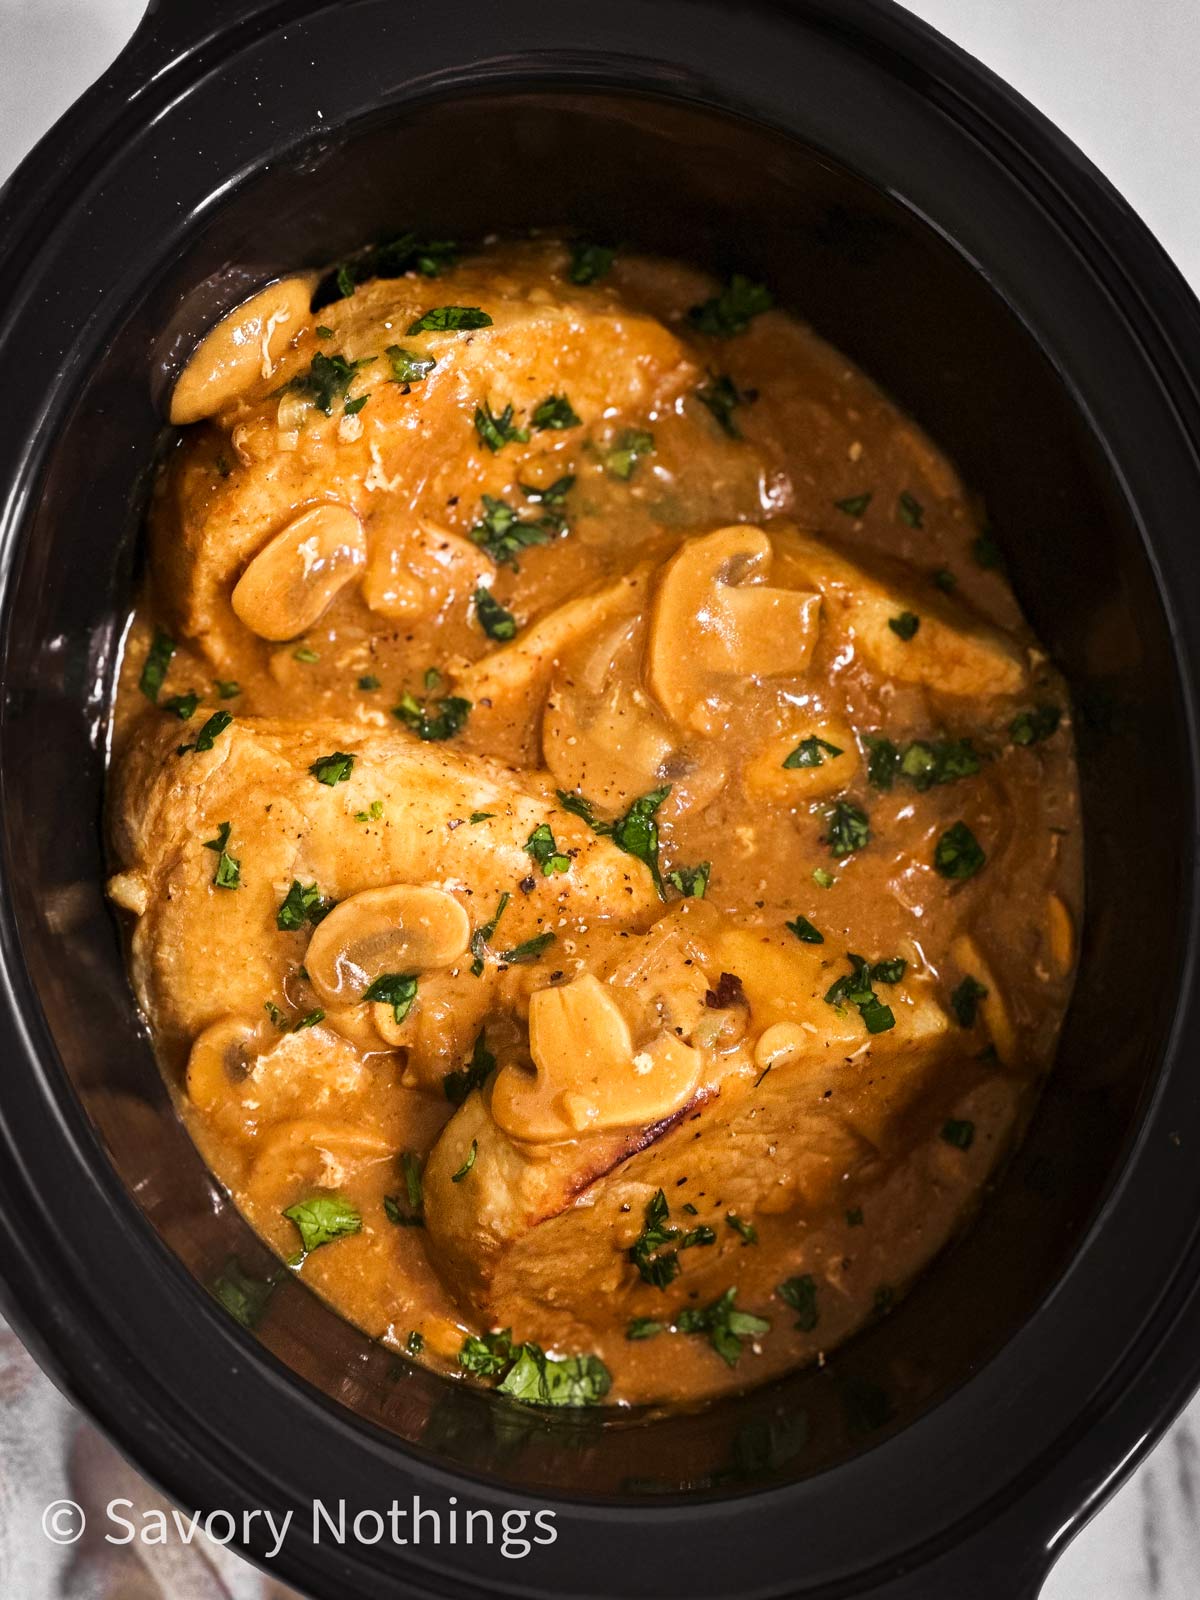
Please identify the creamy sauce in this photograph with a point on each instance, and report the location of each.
(702, 657)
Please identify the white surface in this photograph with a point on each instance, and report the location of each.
(1119, 76)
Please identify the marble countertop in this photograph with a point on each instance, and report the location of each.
(1080, 61)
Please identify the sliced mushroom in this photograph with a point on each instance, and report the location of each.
(295, 576)
(993, 1008)
(241, 350)
(402, 929)
(220, 1056)
(716, 623)
(416, 572)
(603, 736)
(823, 756)
(1060, 934)
(589, 1077)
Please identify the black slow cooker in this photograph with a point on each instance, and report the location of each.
(932, 225)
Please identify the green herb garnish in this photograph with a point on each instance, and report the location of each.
(644, 1328)
(964, 1001)
(905, 625)
(1031, 727)
(501, 534)
(804, 931)
(481, 936)
(497, 431)
(395, 989)
(323, 1218)
(542, 847)
(849, 829)
(459, 1084)
(183, 705)
(722, 397)
(655, 1252)
(408, 367)
(590, 262)
(494, 619)
(958, 853)
(432, 726)
(154, 668)
(731, 311)
(303, 903)
(528, 950)
(451, 319)
(555, 412)
(801, 1294)
(229, 871)
(747, 1232)
(627, 449)
(911, 510)
(209, 733)
(691, 882)
(854, 505)
(811, 752)
(331, 769)
(856, 988)
(960, 1134)
(327, 380)
(245, 1298)
(724, 1324)
(468, 1163)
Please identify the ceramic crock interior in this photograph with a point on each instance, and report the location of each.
(887, 290)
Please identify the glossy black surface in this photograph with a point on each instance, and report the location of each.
(931, 225)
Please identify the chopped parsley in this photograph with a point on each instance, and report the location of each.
(528, 950)
(731, 311)
(856, 988)
(911, 511)
(305, 654)
(530, 1375)
(327, 380)
(553, 494)
(721, 396)
(480, 816)
(395, 989)
(415, 1342)
(542, 847)
(323, 1218)
(303, 903)
(627, 449)
(335, 768)
(372, 814)
(481, 936)
(555, 412)
(924, 763)
(644, 1328)
(392, 257)
(964, 1001)
(958, 853)
(322, 332)
(823, 879)
(368, 681)
(804, 931)
(450, 319)
(154, 668)
(245, 1298)
(183, 705)
(468, 1163)
(811, 752)
(501, 534)
(1031, 727)
(691, 882)
(494, 619)
(229, 871)
(655, 1252)
(497, 431)
(854, 505)
(414, 1215)
(462, 1082)
(724, 1324)
(407, 366)
(308, 1020)
(849, 829)
(746, 1231)
(590, 262)
(227, 688)
(636, 833)
(960, 1134)
(209, 733)
(430, 725)
(537, 1379)
(353, 407)
(905, 625)
(801, 1294)
(987, 552)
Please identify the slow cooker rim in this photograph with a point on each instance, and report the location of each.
(1156, 261)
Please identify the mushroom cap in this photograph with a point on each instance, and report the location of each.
(241, 350)
(405, 928)
(295, 576)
